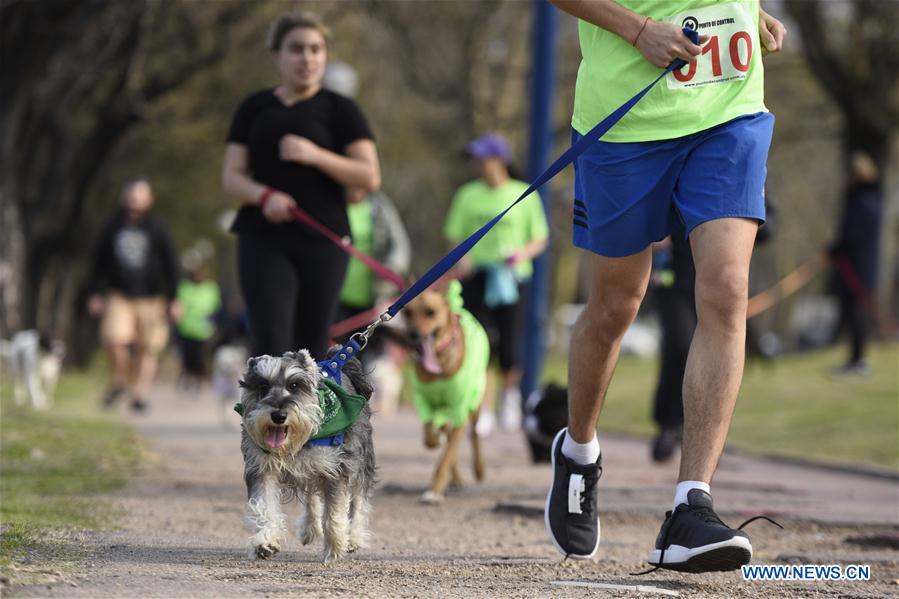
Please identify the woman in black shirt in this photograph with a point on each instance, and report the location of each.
(295, 145)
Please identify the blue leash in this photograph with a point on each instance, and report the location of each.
(450, 260)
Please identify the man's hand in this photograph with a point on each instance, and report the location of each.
(514, 258)
(294, 148)
(96, 305)
(277, 208)
(771, 33)
(661, 43)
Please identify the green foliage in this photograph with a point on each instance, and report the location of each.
(54, 463)
(793, 407)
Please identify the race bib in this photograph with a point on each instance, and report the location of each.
(727, 55)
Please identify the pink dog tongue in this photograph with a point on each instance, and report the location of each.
(429, 356)
(276, 437)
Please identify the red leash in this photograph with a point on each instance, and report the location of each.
(307, 219)
(379, 269)
(339, 329)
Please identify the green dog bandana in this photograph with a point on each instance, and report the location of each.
(340, 409)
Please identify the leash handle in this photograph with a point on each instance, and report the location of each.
(450, 260)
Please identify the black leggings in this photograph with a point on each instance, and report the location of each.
(193, 356)
(677, 315)
(290, 287)
(853, 318)
(503, 323)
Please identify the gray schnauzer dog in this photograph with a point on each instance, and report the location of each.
(333, 483)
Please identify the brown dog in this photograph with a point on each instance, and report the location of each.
(451, 353)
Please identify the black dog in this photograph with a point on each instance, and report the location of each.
(545, 414)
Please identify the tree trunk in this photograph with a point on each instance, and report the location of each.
(12, 259)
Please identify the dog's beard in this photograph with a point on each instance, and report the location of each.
(286, 438)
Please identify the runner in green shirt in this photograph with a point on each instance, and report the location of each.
(200, 299)
(690, 156)
(496, 272)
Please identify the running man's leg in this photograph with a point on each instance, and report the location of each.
(147, 362)
(571, 515)
(120, 365)
(622, 203)
(618, 287)
(722, 249)
(118, 330)
(720, 198)
(152, 337)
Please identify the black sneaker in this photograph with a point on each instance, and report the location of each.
(570, 515)
(138, 405)
(694, 539)
(112, 396)
(665, 443)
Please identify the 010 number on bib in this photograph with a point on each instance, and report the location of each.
(727, 56)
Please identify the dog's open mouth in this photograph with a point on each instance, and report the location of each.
(427, 355)
(276, 437)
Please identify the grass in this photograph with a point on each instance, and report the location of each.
(54, 463)
(790, 408)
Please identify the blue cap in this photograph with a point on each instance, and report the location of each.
(490, 145)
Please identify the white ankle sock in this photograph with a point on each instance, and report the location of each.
(580, 453)
(683, 487)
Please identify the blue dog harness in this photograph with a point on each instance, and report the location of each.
(331, 370)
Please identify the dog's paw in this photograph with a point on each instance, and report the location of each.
(456, 481)
(429, 497)
(333, 553)
(479, 470)
(310, 535)
(359, 539)
(265, 544)
(432, 436)
(265, 550)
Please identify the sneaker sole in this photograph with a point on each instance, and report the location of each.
(552, 537)
(717, 557)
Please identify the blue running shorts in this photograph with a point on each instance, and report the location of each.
(628, 195)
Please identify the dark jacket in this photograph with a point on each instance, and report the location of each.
(135, 259)
(858, 239)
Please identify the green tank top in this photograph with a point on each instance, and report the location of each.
(358, 284)
(726, 81)
(200, 301)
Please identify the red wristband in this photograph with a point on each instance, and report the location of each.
(265, 196)
(645, 21)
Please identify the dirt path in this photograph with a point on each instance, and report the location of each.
(182, 533)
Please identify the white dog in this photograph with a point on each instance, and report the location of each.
(228, 363)
(34, 368)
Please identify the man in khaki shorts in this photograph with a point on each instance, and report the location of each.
(135, 274)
